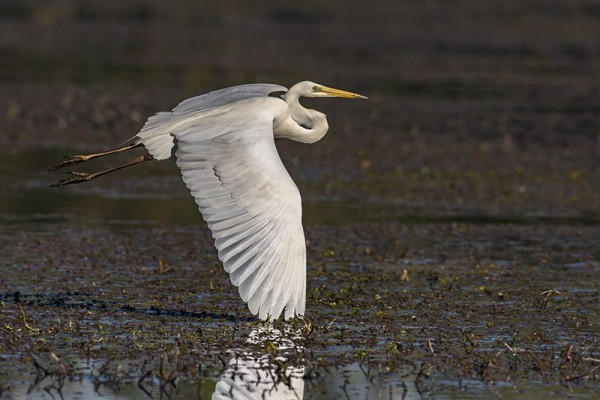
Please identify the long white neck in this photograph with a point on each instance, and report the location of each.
(305, 125)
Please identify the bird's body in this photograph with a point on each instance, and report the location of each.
(223, 143)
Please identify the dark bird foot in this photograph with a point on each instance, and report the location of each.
(76, 177)
(70, 160)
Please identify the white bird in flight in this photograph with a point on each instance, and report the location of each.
(223, 142)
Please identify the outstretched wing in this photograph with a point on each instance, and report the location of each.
(228, 95)
(253, 208)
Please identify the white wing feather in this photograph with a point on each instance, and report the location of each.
(161, 146)
(231, 166)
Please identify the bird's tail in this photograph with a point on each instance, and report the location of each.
(156, 137)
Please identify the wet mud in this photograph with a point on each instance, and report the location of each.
(452, 221)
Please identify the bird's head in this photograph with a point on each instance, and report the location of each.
(311, 89)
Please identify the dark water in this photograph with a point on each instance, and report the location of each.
(349, 382)
(141, 199)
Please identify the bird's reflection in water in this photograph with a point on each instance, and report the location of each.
(270, 374)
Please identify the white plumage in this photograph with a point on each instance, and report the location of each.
(223, 143)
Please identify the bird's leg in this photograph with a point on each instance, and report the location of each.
(79, 177)
(72, 160)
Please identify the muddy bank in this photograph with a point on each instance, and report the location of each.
(441, 302)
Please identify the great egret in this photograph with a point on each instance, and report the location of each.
(224, 145)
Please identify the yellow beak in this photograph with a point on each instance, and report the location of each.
(341, 93)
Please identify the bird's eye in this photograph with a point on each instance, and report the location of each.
(315, 88)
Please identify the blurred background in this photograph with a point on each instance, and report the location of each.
(481, 108)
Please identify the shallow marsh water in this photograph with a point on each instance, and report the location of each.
(404, 304)
(452, 220)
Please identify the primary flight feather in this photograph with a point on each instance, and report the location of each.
(223, 142)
